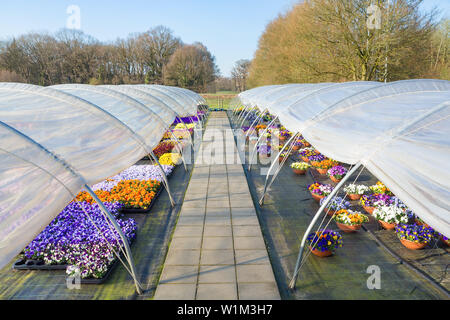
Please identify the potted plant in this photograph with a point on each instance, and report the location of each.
(389, 216)
(315, 158)
(282, 155)
(380, 188)
(336, 173)
(260, 127)
(264, 150)
(350, 221)
(413, 236)
(300, 167)
(336, 204)
(319, 191)
(323, 166)
(322, 243)
(253, 139)
(305, 153)
(354, 192)
(306, 143)
(297, 145)
(445, 240)
(370, 201)
(283, 135)
(420, 222)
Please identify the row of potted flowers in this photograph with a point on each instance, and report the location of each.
(388, 210)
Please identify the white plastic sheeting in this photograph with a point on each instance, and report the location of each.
(53, 140)
(400, 131)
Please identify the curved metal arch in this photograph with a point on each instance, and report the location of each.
(69, 98)
(177, 105)
(144, 98)
(185, 94)
(125, 98)
(149, 91)
(424, 85)
(61, 162)
(114, 94)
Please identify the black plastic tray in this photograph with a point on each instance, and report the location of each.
(43, 267)
(137, 210)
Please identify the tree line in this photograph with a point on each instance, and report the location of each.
(330, 40)
(70, 56)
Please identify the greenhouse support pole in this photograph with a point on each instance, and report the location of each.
(243, 114)
(314, 220)
(245, 118)
(180, 150)
(163, 174)
(257, 120)
(261, 201)
(257, 143)
(234, 113)
(110, 217)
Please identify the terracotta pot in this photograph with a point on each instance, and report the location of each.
(348, 228)
(386, 225)
(353, 196)
(296, 148)
(322, 171)
(330, 212)
(306, 144)
(420, 223)
(281, 138)
(317, 197)
(298, 171)
(369, 210)
(413, 245)
(447, 242)
(334, 179)
(305, 159)
(321, 253)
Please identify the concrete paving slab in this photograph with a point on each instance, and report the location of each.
(217, 251)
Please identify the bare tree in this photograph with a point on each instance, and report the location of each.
(240, 73)
(192, 67)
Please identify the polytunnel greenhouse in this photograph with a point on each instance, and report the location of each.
(296, 192)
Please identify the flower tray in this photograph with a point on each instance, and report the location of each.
(21, 264)
(27, 264)
(126, 210)
(348, 228)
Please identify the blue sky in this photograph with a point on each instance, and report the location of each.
(229, 28)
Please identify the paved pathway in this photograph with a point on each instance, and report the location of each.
(217, 250)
